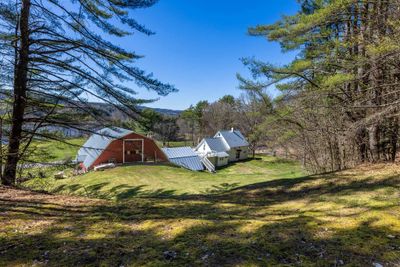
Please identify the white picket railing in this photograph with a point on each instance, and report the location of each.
(207, 163)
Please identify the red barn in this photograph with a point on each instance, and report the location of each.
(118, 145)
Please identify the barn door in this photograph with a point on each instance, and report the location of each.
(133, 150)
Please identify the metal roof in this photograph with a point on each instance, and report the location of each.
(216, 144)
(98, 142)
(233, 138)
(179, 152)
(184, 157)
(191, 163)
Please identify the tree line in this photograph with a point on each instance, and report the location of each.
(337, 106)
(339, 98)
(338, 101)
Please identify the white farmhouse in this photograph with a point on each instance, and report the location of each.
(224, 147)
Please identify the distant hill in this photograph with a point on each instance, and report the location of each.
(112, 110)
(164, 111)
(109, 111)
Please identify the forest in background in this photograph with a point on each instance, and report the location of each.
(338, 101)
(337, 107)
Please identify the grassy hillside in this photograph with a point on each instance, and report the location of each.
(350, 218)
(165, 180)
(175, 144)
(50, 151)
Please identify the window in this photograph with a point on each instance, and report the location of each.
(238, 153)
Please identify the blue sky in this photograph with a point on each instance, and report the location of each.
(198, 45)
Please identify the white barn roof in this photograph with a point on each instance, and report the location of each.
(184, 157)
(98, 142)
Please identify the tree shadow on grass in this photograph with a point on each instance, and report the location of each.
(264, 193)
(129, 192)
(114, 236)
(234, 163)
(221, 188)
(257, 225)
(118, 193)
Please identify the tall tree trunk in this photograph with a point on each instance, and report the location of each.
(1, 149)
(394, 138)
(362, 145)
(373, 142)
(20, 88)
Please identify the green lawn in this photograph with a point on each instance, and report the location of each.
(161, 180)
(175, 143)
(349, 218)
(50, 151)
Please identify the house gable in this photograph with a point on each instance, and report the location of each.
(203, 147)
(212, 145)
(233, 138)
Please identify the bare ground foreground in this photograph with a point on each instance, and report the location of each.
(350, 218)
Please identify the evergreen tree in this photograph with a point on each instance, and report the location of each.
(55, 55)
(339, 96)
(227, 99)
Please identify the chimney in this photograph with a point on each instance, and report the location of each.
(232, 129)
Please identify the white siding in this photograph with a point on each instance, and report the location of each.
(224, 141)
(203, 148)
(222, 161)
(219, 161)
(243, 153)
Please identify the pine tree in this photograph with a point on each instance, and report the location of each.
(340, 94)
(56, 54)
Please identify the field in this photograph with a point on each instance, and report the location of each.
(166, 180)
(51, 151)
(349, 218)
(176, 143)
